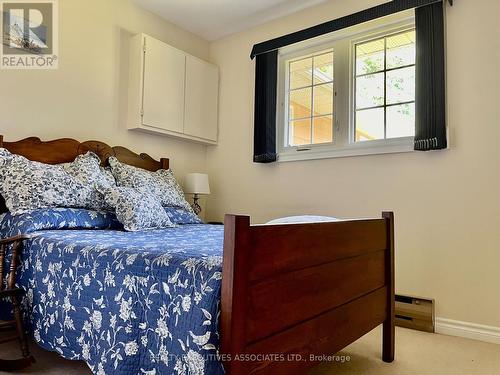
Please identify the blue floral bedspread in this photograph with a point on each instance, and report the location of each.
(127, 303)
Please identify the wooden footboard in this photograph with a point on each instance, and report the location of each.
(293, 293)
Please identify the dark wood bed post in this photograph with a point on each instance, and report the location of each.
(164, 163)
(388, 334)
(233, 306)
(1, 140)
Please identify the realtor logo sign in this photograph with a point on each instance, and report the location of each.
(29, 34)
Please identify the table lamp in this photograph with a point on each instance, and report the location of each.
(196, 184)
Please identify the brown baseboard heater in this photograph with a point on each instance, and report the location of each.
(415, 313)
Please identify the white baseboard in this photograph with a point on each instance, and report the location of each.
(468, 330)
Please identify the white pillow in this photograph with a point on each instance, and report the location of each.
(303, 219)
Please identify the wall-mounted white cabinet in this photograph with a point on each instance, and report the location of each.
(200, 111)
(171, 92)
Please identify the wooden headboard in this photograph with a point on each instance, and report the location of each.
(65, 150)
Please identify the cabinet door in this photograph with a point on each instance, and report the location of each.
(202, 92)
(164, 75)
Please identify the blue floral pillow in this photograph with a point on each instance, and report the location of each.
(56, 218)
(28, 185)
(180, 216)
(161, 183)
(137, 210)
(87, 169)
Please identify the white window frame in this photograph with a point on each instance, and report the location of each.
(368, 38)
(287, 91)
(343, 43)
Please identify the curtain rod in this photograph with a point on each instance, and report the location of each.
(369, 14)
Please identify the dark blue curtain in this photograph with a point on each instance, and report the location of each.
(430, 103)
(266, 80)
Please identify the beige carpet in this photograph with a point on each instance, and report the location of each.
(416, 353)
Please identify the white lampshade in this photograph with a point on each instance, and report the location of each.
(196, 183)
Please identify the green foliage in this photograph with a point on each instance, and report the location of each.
(370, 66)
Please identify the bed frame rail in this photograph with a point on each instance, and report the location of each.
(291, 292)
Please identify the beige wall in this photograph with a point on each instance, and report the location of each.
(447, 203)
(86, 98)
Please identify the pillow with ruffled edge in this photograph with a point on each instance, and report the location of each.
(136, 210)
(29, 185)
(87, 169)
(161, 183)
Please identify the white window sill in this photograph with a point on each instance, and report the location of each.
(391, 146)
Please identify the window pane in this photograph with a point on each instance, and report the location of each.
(370, 124)
(300, 103)
(370, 90)
(323, 99)
(401, 85)
(300, 132)
(401, 121)
(323, 68)
(370, 57)
(401, 50)
(301, 73)
(323, 129)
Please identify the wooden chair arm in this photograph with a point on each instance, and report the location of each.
(11, 240)
(16, 242)
(14, 294)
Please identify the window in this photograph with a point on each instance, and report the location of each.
(350, 93)
(310, 98)
(385, 87)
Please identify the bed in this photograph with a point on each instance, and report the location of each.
(203, 299)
